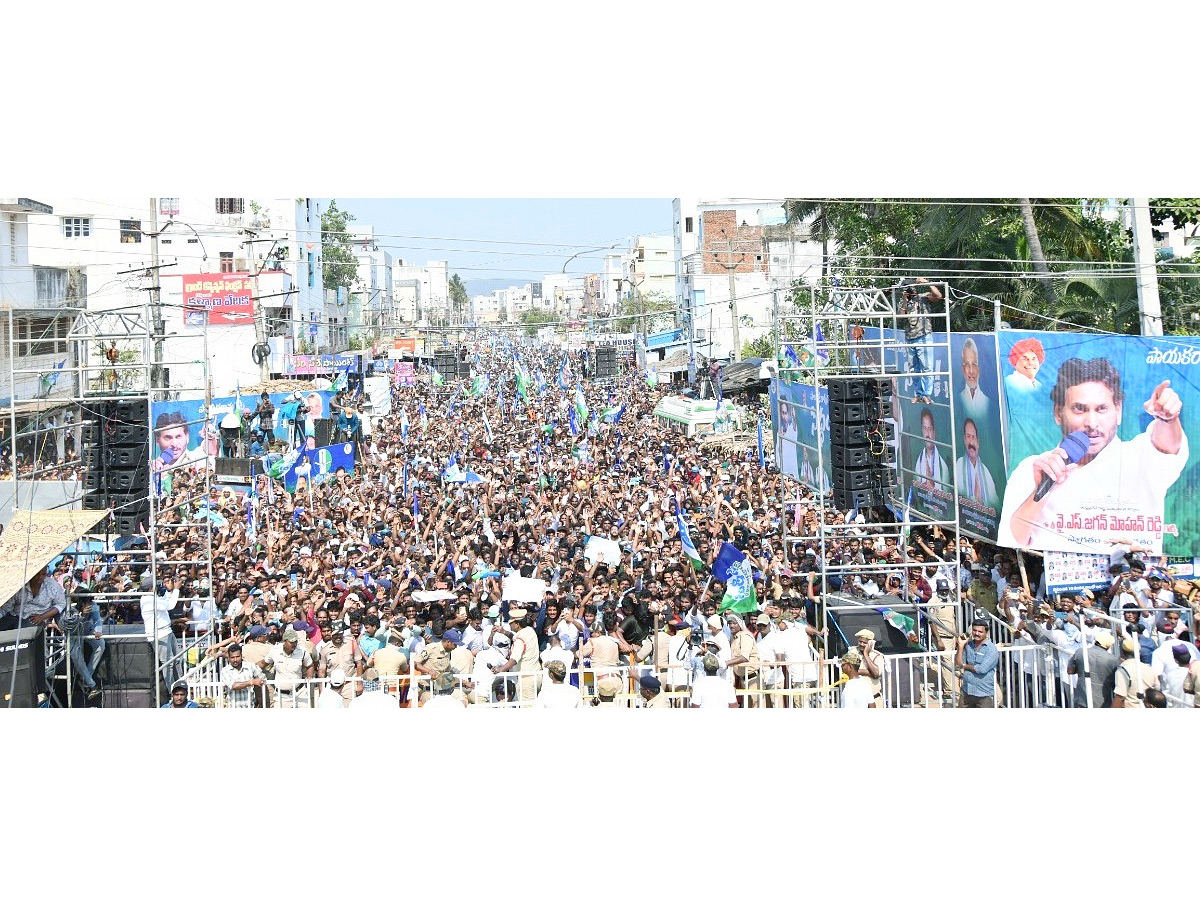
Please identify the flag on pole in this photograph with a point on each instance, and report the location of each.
(424, 417)
(51, 378)
(487, 429)
(733, 568)
(522, 382)
(720, 395)
(436, 377)
(405, 491)
(415, 506)
(581, 407)
(501, 400)
(902, 623)
(689, 549)
(762, 459)
(651, 378)
(572, 421)
(819, 342)
(562, 374)
(479, 385)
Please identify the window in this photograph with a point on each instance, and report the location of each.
(41, 336)
(12, 241)
(166, 240)
(230, 206)
(168, 206)
(74, 226)
(687, 225)
(226, 261)
(131, 231)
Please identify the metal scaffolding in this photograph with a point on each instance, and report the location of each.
(855, 335)
(109, 355)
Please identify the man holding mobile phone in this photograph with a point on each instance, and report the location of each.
(871, 666)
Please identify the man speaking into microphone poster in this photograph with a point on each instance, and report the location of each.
(1101, 463)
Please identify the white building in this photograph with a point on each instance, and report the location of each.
(434, 299)
(275, 243)
(716, 238)
(374, 282)
(33, 294)
(486, 309)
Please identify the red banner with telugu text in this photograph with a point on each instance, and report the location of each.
(228, 297)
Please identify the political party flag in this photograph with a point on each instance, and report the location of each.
(522, 382)
(479, 385)
(416, 507)
(689, 549)
(572, 421)
(581, 407)
(51, 378)
(487, 429)
(720, 393)
(651, 378)
(339, 383)
(819, 341)
(562, 374)
(733, 568)
(436, 377)
(424, 417)
(789, 354)
(762, 459)
(405, 490)
(902, 623)
(612, 414)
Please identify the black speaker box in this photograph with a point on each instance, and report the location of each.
(128, 663)
(122, 434)
(16, 651)
(128, 481)
(846, 390)
(92, 457)
(130, 457)
(464, 369)
(95, 500)
(850, 457)
(323, 432)
(848, 435)
(94, 480)
(128, 525)
(233, 468)
(879, 409)
(862, 499)
(606, 362)
(129, 411)
(847, 413)
(137, 698)
(853, 479)
(90, 435)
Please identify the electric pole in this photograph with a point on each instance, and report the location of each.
(731, 268)
(156, 370)
(1149, 306)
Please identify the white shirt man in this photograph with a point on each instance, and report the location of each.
(798, 652)
(771, 652)
(49, 596)
(710, 691)
(1162, 659)
(931, 469)
(331, 697)
(489, 657)
(555, 694)
(1126, 481)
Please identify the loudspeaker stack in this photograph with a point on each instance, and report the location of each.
(862, 438)
(445, 362)
(606, 362)
(115, 451)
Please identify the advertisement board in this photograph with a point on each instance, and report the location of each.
(1099, 431)
(227, 297)
(979, 469)
(318, 364)
(320, 464)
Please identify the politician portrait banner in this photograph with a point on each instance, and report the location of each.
(794, 411)
(1100, 429)
(979, 468)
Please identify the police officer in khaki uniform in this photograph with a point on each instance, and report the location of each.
(743, 658)
(524, 657)
(291, 666)
(652, 695)
(871, 666)
(345, 655)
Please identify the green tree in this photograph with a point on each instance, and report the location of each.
(339, 268)
(534, 319)
(763, 345)
(646, 312)
(459, 301)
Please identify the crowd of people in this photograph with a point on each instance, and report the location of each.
(320, 595)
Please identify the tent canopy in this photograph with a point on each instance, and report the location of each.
(34, 538)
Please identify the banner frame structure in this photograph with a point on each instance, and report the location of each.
(821, 343)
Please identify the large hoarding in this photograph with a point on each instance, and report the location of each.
(227, 297)
(794, 411)
(1131, 402)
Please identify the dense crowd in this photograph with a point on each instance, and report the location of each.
(399, 565)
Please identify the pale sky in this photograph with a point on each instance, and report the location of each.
(514, 239)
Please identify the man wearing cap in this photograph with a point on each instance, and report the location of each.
(710, 691)
(652, 695)
(291, 666)
(976, 660)
(870, 663)
(554, 693)
(1133, 678)
(1172, 679)
(343, 654)
(606, 694)
(1101, 667)
(242, 679)
(856, 692)
(389, 660)
(524, 656)
(1162, 659)
(743, 658)
(332, 698)
(179, 698)
(462, 660)
(487, 660)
